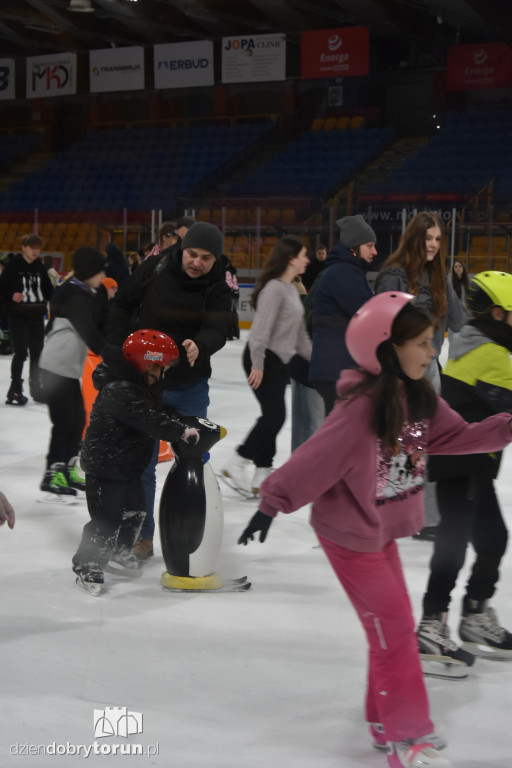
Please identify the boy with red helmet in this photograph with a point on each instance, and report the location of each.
(126, 418)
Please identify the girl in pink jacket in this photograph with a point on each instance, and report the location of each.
(364, 471)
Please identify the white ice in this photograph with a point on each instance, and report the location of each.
(269, 678)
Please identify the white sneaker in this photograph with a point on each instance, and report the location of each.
(239, 471)
(380, 742)
(259, 476)
(415, 753)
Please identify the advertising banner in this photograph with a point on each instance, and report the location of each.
(53, 75)
(342, 52)
(470, 67)
(116, 69)
(7, 89)
(183, 65)
(253, 59)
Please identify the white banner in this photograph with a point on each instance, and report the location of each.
(53, 75)
(253, 59)
(181, 65)
(7, 89)
(116, 69)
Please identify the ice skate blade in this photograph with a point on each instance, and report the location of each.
(439, 666)
(123, 573)
(245, 494)
(57, 499)
(225, 588)
(483, 651)
(89, 588)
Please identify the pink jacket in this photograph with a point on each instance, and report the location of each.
(363, 495)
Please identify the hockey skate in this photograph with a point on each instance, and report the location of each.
(124, 564)
(89, 580)
(380, 742)
(74, 476)
(414, 753)
(439, 655)
(481, 633)
(55, 486)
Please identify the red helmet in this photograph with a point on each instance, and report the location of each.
(146, 346)
(371, 325)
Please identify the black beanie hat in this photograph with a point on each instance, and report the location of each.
(206, 236)
(87, 262)
(355, 231)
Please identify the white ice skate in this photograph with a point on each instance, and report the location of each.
(415, 753)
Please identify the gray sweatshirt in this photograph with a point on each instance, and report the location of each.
(278, 324)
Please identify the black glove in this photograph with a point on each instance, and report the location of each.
(258, 522)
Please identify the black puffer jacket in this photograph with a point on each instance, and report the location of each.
(126, 418)
(160, 295)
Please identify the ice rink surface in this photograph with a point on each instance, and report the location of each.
(269, 678)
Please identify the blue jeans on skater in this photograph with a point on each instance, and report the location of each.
(191, 399)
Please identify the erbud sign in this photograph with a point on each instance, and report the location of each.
(181, 65)
(331, 53)
(116, 69)
(53, 75)
(470, 67)
(7, 85)
(253, 59)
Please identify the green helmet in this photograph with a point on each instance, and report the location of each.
(489, 289)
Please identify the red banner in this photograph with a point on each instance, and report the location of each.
(335, 52)
(469, 67)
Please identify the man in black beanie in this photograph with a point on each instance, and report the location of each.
(183, 293)
(24, 290)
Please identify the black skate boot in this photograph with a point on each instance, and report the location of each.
(439, 655)
(15, 394)
(55, 482)
(481, 633)
(89, 578)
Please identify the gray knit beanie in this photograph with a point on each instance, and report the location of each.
(354, 231)
(206, 236)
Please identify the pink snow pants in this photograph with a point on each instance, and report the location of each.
(375, 585)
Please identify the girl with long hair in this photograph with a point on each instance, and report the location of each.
(278, 333)
(364, 471)
(418, 267)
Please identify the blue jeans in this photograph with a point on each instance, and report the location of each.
(190, 399)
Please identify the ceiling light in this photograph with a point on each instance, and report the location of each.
(80, 6)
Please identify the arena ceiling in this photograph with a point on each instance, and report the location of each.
(35, 27)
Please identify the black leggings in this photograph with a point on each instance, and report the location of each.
(470, 513)
(65, 403)
(27, 336)
(260, 443)
(116, 508)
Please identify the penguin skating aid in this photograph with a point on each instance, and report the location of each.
(192, 517)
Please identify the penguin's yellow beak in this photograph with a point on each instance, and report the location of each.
(223, 432)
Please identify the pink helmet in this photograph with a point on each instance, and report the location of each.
(371, 325)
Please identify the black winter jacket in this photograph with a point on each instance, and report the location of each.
(126, 418)
(342, 289)
(160, 295)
